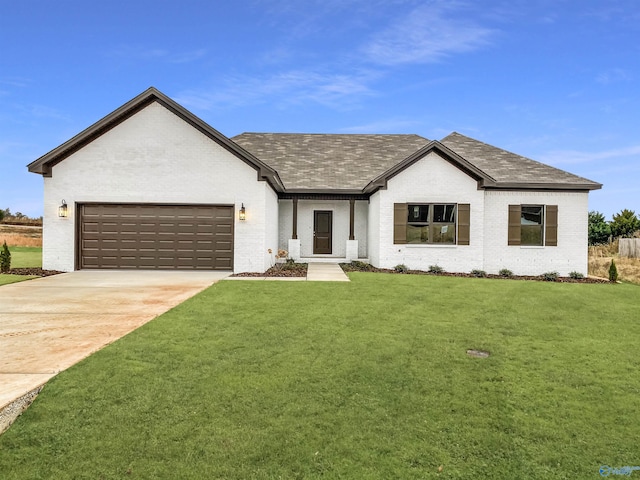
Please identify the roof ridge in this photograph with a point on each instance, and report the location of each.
(334, 134)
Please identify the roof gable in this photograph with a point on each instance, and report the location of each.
(45, 164)
(445, 153)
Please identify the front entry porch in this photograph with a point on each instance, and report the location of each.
(324, 228)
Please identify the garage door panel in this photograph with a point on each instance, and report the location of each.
(156, 236)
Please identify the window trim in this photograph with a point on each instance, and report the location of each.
(461, 224)
(549, 225)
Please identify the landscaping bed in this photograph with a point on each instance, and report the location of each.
(288, 269)
(33, 271)
(357, 266)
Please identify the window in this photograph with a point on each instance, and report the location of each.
(431, 223)
(533, 225)
(531, 222)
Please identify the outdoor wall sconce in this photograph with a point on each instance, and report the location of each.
(63, 211)
(243, 213)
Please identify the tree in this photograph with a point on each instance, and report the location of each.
(1, 214)
(613, 272)
(625, 224)
(599, 229)
(5, 259)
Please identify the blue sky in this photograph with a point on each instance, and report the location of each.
(556, 81)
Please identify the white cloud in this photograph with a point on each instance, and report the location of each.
(568, 157)
(293, 87)
(613, 76)
(160, 54)
(392, 125)
(427, 34)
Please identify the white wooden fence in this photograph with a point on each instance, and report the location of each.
(629, 247)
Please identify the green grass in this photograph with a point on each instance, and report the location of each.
(6, 279)
(22, 257)
(262, 380)
(25, 257)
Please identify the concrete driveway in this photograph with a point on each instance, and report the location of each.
(51, 323)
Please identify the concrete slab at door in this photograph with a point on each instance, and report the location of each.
(49, 324)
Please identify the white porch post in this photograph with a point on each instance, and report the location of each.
(294, 241)
(352, 243)
(294, 249)
(352, 250)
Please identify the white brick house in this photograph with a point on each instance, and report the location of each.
(153, 186)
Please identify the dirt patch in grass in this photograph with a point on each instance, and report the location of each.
(283, 270)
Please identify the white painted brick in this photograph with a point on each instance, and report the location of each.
(571, 252)
(434, 180)
(430, 180)
(156, 157)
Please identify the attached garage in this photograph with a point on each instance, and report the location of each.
(151, 236)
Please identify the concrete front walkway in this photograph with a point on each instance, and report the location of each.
(49, 324)
(319, 272)
(326, 272)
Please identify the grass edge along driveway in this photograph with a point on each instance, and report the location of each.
(362, 380)
(22, 257)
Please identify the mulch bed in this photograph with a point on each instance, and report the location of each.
(349, 267)
(37, 272)
(283, 270)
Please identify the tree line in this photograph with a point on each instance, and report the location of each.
(18, 217)
(624, 224)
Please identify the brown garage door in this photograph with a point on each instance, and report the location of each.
(155, 236)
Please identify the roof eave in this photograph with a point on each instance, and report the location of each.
(324, 191)
(544, 186)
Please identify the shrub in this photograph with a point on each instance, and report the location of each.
(478, 273)
(505, 272)
(576, 275)
(401, 268)
(435, 269)
(550, 276)
(613, 272)
(5, 259)
(357, 266)
(289, 264)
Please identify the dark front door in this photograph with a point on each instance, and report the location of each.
(322, 223)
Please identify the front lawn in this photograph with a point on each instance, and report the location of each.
(261, 380)
(22, 257)
(26, 257)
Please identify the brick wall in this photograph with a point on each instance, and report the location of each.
(570, 254)
(434, 180)
(430, 180)
(156, 157)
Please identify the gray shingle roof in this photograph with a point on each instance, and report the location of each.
(318, 162)
(308, 161)
(509, 168)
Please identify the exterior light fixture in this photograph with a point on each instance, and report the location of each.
(63, 211)
(243, 213)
